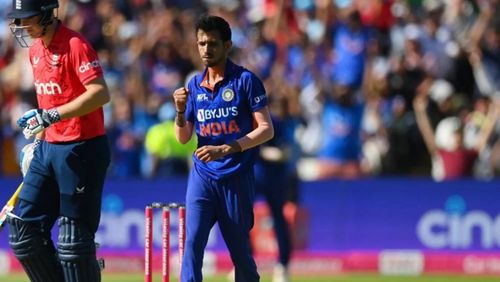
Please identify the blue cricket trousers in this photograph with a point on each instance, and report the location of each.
(66, 179)
(228, 202)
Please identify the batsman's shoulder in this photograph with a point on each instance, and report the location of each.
(77, 42)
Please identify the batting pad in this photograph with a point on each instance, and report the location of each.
(35, 251)
(77, 252)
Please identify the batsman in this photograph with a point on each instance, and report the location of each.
(70, 152)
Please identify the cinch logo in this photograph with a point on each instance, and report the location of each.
(125, 230)
(456, 229)
(87, 66)
(208, 114)
(49, 88)
(218, 128)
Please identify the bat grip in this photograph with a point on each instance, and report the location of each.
(13, 200)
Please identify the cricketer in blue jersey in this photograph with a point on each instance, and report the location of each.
(226, 105)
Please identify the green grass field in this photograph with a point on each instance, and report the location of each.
(339, 278)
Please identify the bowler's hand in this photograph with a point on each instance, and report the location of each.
(209, 153)
(36, 120)
(180, 98)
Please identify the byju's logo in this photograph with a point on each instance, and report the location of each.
(456, 228)
(214, 122)
(208, 114)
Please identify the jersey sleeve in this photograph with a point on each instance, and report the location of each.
(257, 98)
(84, 60)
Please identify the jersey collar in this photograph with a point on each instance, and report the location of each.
(57, 38)
(228, 71)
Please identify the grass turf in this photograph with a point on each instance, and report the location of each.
(337, 278)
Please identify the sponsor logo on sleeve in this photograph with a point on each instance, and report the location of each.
(86, 66)
(259, 98)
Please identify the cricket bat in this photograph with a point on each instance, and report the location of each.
(9, 206)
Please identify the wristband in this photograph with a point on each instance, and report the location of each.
(180, 112)
(53, 115)
(236, 145)
(37, 142)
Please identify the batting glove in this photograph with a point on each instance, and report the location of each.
(36, 120)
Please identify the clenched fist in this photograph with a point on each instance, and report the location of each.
(180, 98)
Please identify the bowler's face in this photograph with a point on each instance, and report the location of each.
(213, 51)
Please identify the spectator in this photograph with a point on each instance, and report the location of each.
(340, 152)
(125, 143)
(168, 157)
(275, 176)
(350, 41)
(148, 47)
(450, 158)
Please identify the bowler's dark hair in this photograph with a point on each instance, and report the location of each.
(214, 23)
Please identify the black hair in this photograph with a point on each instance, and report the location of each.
(47, 18)
(214, 23)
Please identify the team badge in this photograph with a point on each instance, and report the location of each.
(228, 95)
(55, 59)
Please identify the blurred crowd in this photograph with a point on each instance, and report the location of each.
(361, 88)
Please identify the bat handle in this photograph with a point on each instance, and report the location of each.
(13, 200)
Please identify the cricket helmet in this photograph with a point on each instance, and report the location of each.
(24, 9)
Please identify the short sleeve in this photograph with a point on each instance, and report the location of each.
(257, 98)
(84, 60)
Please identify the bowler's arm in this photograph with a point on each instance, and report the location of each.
(183, 128)
(262, 133)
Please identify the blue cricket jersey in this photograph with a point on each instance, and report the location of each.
(225, 115)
